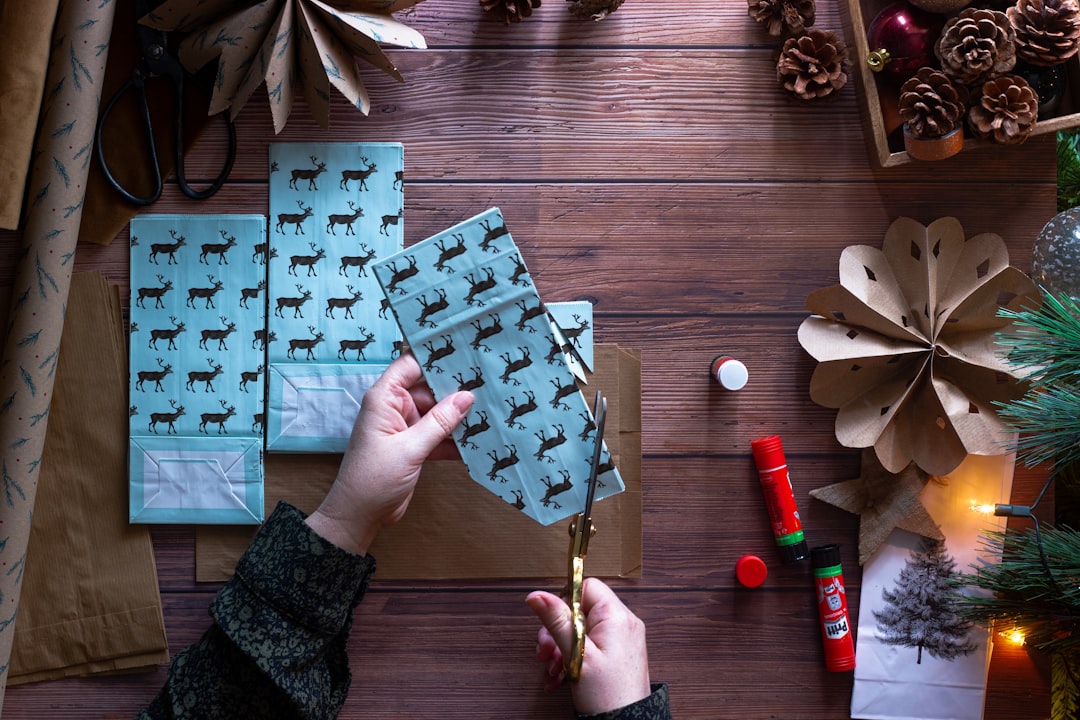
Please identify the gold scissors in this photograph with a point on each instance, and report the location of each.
(581, 529)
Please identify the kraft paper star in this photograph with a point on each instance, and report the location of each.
(883, 501)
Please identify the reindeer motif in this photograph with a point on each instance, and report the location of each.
(305, 344)
(484, 332)
(447, 254)
(167, 248)
(262, 339)
(307, 261)
(399, 180)
(528, 313)
(498, 464)
(554, 489)
(358, 345)
(168, 418)
(154, 376)
(362, 175)
(308, 174)
(473, 383)
(247, 376)
(549, 443)
(473, 429)
(427, 309)
(520, 276)
(590, 425)
(556, 350)
(512, 366)
(156, 293)
(517, 411)
(169, 334)
(251, 293)
(436, 354)
(519, 499)
(219, 249)
(388, 220)
(293, 302)
(479, 286)
(219, 335)
(205, 293)
(218, 419)
(346, 219)
(562, 391)
(343, 302)
(399, 276)
(384, 307)
(296, 219)
(491, 234)
(204, 376)
(257, 421)
(573, 333)
(258, 253)
(357, 261)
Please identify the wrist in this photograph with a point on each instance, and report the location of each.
(351, 536)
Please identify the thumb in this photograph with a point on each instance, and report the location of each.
(554, 614)
(438, 422)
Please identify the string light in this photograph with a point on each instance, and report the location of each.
(1015, 636)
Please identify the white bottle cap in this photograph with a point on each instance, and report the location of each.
(729, 372)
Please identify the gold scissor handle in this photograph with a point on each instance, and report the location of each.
(577, 619)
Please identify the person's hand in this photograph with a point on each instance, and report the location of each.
(399, 426)
(615, 671)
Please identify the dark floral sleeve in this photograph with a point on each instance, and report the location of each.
(654, 707)
(277, 648)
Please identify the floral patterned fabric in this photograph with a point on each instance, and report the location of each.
(277, 646)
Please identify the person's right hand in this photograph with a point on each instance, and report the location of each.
(615, 671)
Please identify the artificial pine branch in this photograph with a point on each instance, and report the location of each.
(1046, 608)
(1064, 693)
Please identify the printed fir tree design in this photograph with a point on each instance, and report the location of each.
(917, 612)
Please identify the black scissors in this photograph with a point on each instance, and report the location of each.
(158, 61)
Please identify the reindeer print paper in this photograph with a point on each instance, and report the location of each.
(471, 314)
(196, 377)
(335, 208)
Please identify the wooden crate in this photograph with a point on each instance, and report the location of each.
(877, 98)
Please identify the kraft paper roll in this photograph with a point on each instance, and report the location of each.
(55, 196)
(25, 29)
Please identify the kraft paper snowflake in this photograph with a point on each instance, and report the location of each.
(905, 345)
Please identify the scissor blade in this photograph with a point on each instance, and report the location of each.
(599, 414)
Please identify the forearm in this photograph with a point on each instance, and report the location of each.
(654, 707)
(278, 645)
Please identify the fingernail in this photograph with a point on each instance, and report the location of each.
(463, 400)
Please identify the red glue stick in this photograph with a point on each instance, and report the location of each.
(779, 498)
(832, 608)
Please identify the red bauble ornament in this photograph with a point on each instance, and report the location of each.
(901, 40)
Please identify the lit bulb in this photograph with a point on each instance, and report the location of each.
(985, 509)
(1015, 636)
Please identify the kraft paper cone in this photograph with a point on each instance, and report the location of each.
(56, 192)
(25, 31)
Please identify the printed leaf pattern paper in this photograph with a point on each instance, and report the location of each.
(196, 385)
(335, 208)
(467, 307)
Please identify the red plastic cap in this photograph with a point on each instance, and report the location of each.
(750, 571)
(768, 452)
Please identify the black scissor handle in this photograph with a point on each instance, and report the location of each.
(136, 83)
(230, 156)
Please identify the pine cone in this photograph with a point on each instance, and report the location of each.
(1006, 111)
(783, 17)
(509, 10)
(1047, 31)
(931, 105)
(593, 9)
(976, 45)
(813, 65)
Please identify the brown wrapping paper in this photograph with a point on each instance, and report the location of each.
(90, 601)
(25, 31)
(455, 529)
(56, 192)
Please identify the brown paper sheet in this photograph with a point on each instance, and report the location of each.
(454, 528)
(25, 33)
(90, 601)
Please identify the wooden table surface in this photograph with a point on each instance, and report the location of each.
(648, 163)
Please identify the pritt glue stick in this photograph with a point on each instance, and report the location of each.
(779, 498)
(832, 608)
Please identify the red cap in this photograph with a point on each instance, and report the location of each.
(750, 571)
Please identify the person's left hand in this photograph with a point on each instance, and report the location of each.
(399, 426)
